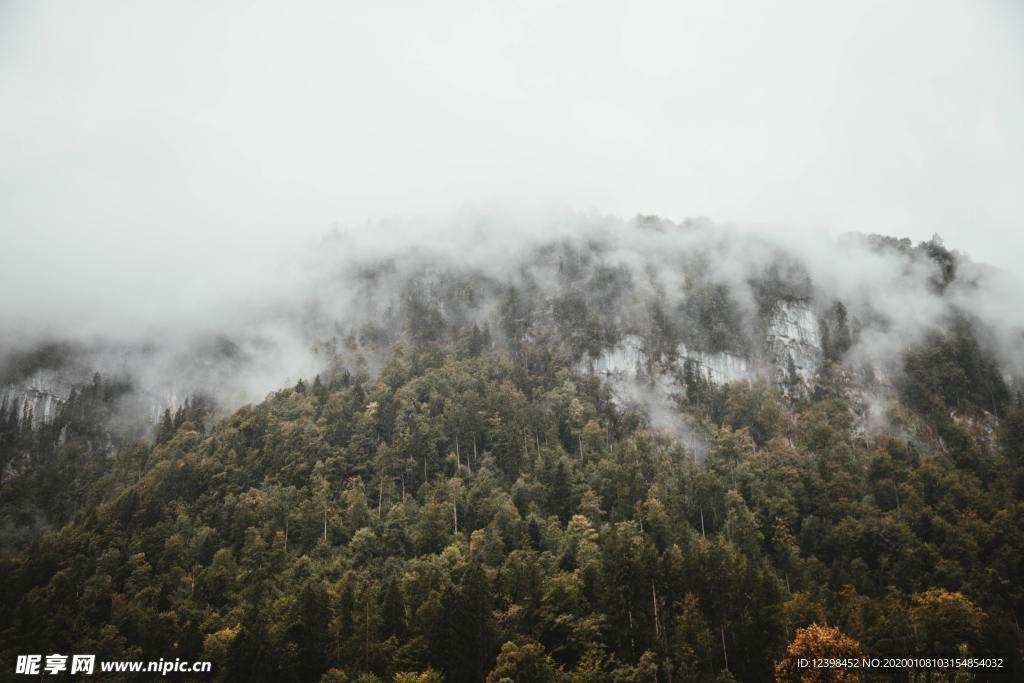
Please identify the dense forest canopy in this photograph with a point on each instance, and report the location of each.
(460, 499)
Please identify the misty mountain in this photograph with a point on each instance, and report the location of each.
(643, 300)
(328, 356)
(620, 451)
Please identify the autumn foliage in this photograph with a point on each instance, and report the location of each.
(815, 643)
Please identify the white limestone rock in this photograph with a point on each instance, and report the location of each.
(39, 395)
(718, 368)
(793, 333)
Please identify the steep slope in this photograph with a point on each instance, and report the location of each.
(615, 462)
(465, 507)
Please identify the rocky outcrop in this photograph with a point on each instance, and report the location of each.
(30, 405)
(628, 360)
(625, 358)
(717, 368)
(793, 341)
(36, 399)
(792, 353)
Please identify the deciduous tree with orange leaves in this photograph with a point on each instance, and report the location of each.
(815, 643)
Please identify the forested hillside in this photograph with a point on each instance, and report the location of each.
(473, 513)
(512, 341)
(652, 452)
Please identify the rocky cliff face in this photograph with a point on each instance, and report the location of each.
(30, 405)
(791, 353)
(625, 358)
(35, 400)
(629, 359)
(793, 342)
(718, 368)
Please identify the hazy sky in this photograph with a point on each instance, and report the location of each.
(150, 148)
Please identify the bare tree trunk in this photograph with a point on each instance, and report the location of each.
(725, 653)
(654, 601)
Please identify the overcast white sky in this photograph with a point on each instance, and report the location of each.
(141, 143)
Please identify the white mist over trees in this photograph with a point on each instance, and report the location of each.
(592, 283)
(372, 342)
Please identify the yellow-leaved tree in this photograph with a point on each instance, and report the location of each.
(818, 642)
